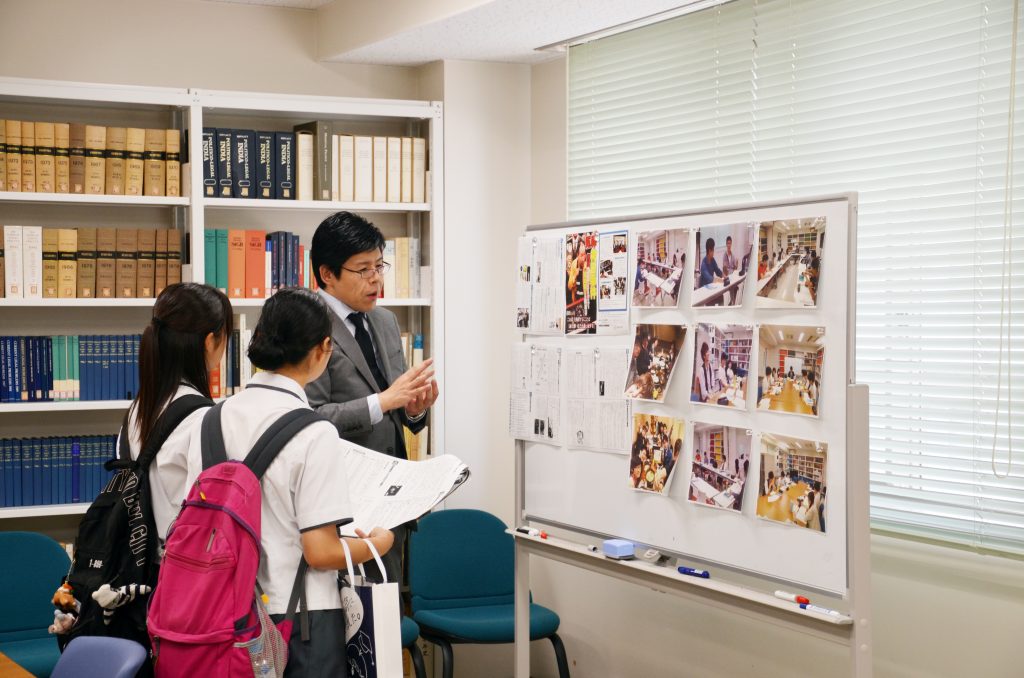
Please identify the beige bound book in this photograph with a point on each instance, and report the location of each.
(45, 172)
(154, 180)
(160, 267)
(67, 272)
(126, 272)
(106, 264)
(86, 262)
(173, 256)
(61, 159)
(135, 162)
(419, 170)
(76, 158)
(95, 162)
(147, 263)
(3, 155)
(13, 129)
(50, 244)
(28, 157)
(173, 162)
(116, 160)
(406, 169)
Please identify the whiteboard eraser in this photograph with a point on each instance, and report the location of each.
(619, 549)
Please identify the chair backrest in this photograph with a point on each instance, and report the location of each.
(461, 558)
(31, 566)
(100, 657)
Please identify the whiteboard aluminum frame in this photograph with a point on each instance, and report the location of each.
(855, 630)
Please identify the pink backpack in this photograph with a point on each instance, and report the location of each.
(207, 616)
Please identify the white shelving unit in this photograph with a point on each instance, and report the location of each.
(190, 109)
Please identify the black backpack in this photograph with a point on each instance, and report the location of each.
(117, 542)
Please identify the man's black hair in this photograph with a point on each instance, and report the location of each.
(338, 238)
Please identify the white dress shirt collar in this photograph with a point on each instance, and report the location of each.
(279, 381)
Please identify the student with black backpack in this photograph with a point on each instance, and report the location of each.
(117, 549)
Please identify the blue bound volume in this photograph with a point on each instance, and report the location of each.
(264, 165)
(243, 163)
(284, 165)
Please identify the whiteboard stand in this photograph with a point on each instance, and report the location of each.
(854, 630)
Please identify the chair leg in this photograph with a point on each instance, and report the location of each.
(417, 661)
(563, 662)
(447, 658)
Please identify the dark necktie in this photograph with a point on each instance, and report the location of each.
(366, 346)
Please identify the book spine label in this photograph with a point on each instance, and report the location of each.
(32, 260)
(50, 263)
(86, 283)
(67, 272)
(160, 266)
(106, 268)
(45, 171)
(225, 170)
(172, 167)
(146, 265)
(116, 157)
(255, 250)
(28, 157)
(264, 165)
(243, 163)
(76, 155)
(135, 160)
(154, 180)
(209, 146)
(95, 160)
(173, 256)
(61, 158)
(12, 130)
(284, 166)
(236, 264)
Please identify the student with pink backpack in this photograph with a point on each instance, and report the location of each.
(270, 521)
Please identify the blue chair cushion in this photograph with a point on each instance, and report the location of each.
(486, 624)
(410, 631)
(37, 656)
(100, 657)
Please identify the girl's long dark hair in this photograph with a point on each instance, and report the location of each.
(173, 348)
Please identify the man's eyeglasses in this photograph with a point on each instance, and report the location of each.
(368, 273)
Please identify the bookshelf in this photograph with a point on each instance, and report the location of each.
(190, 110)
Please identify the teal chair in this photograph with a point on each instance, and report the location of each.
(410, 632)
(31, 567)
(462, 581)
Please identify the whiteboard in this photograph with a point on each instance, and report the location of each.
(588, 491)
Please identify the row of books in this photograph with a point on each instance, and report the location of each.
(254, 264)
(58, 157)
(86, 262)
(69, 367)
(54, 470)
(317, 161)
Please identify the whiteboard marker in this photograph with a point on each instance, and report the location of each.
(822, 610)
(792, 597)
(703, 574)
(532, 531)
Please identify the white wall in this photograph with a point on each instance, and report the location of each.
(937, 611)
(182, 43)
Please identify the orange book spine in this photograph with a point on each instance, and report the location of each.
(236, 264)
(255, 259)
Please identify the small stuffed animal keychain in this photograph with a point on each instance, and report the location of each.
(110, 598)
(66, 614)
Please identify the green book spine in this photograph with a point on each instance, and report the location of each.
(75, 363)
(210, 257)
(222, 260)
(58, 369)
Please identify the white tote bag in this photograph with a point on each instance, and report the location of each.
(373, 626)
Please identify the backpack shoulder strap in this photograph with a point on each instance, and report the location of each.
(167, 422)
(276, 437)
(212, 438)
(124, 447)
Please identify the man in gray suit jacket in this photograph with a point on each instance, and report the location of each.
(366, 390)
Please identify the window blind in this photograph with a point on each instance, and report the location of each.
(906, 102)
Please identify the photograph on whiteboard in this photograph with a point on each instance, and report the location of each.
(524, 282)
(721, 364)
(613, 270)
(791, 360)
(789, 262)
(721, 461)
(660, 261)
(721, 264)
(652, 361)
(793, 488)
(657, 446)
(581, 283)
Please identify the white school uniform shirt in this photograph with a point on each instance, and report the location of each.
(167, 473)
(305, 487)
